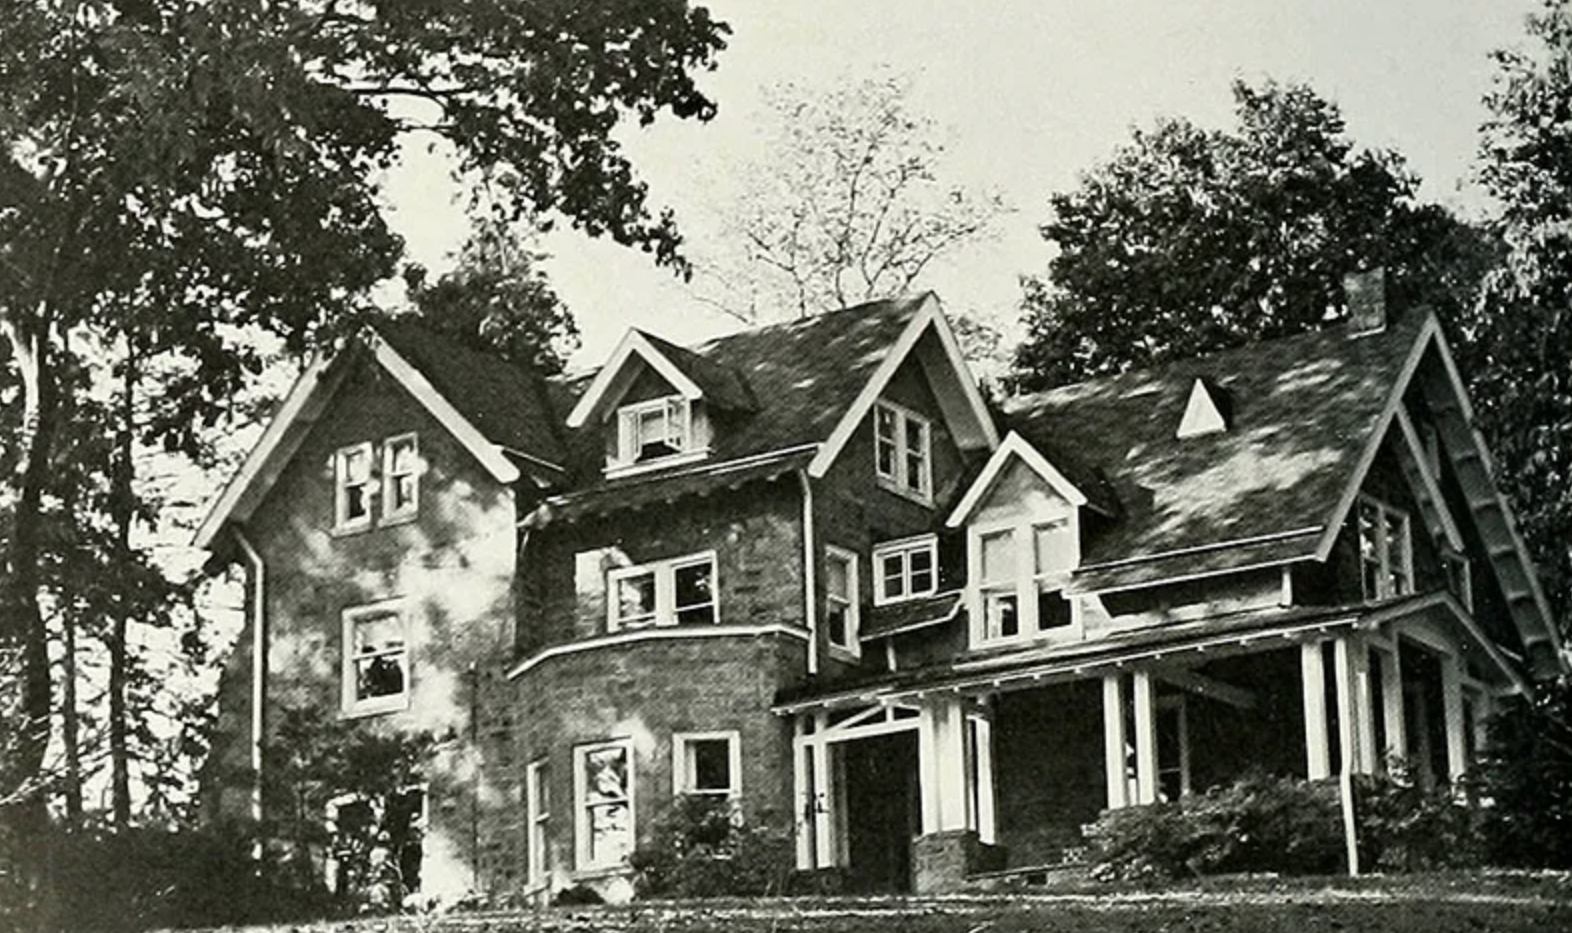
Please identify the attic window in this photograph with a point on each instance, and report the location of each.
(654, 431)
(1206, 412)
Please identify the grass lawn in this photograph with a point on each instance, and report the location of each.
(1424, 904)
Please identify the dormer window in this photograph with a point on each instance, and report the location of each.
(1386, 558)
(902, 441)
(654, 430)
(1020, 568)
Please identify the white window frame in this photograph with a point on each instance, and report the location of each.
(1029, 583)
(350, 704)
(537, 815)
(1381, 514)
(681, 773)
(1004, 587)
(342, 521)
(626, 462)
(904, 547)
(900, 479)
(390, 479)
(665, 576)
(851, 599)
(582, 806)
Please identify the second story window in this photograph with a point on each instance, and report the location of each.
(400, 477)
(841, 613)
(671, 592)
(653, 430)
(902, 441)
(905, 569)
(376, 660)
(998, 585)
(1020, 570)
(352, 487)
(1386, 560)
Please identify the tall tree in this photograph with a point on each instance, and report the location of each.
(181, 170)
(1522, 355)
(1190, 240)
(850, 204)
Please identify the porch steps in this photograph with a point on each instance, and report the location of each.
(1073, 870)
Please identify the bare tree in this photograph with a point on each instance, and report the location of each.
(847, 204)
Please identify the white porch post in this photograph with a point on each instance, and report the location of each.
(1145, 739)
(987, 830)
(825, 803)
(1369, 759)
(1392, 703)
(941, 765)
(1312, 671)
(802, 792)
(1350, 712)
(1452, 701)
(1114, 741)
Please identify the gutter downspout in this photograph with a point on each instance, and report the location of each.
(258, 672)
(810, 589)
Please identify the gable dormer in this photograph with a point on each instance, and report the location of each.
(653, 402)
(1023, 517)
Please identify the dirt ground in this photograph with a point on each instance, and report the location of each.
(1476, 903)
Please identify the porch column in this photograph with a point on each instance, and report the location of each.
(1145, 739)
(942, 765)
(802, 792)
(1114, 741)
(825, 803)
(1355, 727)
(1312, 672)
(1392, 703)
(1452, 702)
(982, 777)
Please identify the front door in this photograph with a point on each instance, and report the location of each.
(882, 810)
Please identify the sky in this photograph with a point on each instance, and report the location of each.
(1028, 93)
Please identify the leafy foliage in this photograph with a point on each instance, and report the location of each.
(850, 206)
(498, 300)
(1525, 778)
(1259, 823)
(1522, 354)
(700, 848)
(1404, 827)
(1189, 240)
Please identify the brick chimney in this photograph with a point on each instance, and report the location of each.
(1366, 294)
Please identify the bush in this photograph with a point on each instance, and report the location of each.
(701, 848)
(1402, 827)
(1257, 824)
(1524, 781)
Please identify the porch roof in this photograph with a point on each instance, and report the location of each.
(1228, 633)
(884, 621)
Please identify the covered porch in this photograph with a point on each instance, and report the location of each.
(996, 763)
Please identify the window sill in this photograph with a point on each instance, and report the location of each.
(841, 653)
(402, 518)
(619, 470)
(377, 707)
(354, 528)
(912, 495)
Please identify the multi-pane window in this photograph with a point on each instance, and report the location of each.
(376, 660)
(707, 764)
(537, 805)
(902, 454)
(603, 782)
(673, 592)
(653, 430)
(1385, 551)
(400, 476)
(352, 486)
(998, 585)
(905, 569)
(1054, 553)
(841, 610)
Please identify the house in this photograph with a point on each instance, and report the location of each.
(805, 568)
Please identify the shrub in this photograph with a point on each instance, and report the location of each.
(1402, 827)
(1524, 781)
(1257, 824)
(701, 848)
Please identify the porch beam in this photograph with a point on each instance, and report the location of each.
(1209, 687)
(1145, 738)
(1115, 741)
(1312, 673)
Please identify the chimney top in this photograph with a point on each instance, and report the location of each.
(1366, 294)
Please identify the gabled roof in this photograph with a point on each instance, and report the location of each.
(1016, 447)
(1305, 411)
(498, 412)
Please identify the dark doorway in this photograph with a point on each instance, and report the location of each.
(882, 811)
(1424, 715)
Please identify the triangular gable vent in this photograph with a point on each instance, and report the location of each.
(1207, 411)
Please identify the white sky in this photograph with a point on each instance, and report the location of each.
(1031, 92)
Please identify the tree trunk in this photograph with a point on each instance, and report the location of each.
(70, 727)
(122, 506)
(22, 631)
